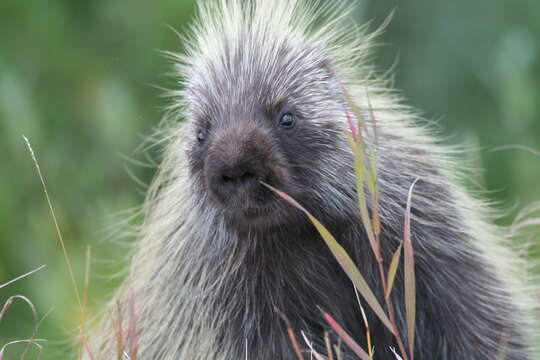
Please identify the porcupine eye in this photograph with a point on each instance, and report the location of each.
(287, 121)
(201, 136)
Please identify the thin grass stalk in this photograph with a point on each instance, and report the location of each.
(37, 322)
(396, 354)
(57, 227)
(22, 276)
(410, 282)
(29, 341)
(337, 349)
(10, 300)
(328, 346)
(366, 324)
(296, 346)
(34, 333)
(61, 240)
(83, 343)
(310, 346)
(118, 332)
(353, 345)
(88, 350)
(132, 331)
(292, 336)
(391, 315)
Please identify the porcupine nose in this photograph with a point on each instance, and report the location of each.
(236, 166)
(237, 176)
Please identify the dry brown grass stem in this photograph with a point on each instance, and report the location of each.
(292, 336)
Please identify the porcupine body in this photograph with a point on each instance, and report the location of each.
(262, 99)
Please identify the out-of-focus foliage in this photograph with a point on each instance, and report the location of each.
(77, 78)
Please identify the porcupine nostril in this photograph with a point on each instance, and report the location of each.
(238, 177)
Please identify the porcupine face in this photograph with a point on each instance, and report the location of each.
(262, 115)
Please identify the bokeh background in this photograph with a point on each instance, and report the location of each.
(81, 79)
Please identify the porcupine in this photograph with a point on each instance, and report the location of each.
(263, 99)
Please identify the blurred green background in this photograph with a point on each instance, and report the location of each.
(79, 79)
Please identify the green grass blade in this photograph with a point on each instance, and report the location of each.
(392, 270)
(344, 260)
(362, 203)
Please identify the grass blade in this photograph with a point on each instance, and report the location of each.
(392, 270)
(328, 346)
(410, 283)
(366, 324)
(88, 350)
(56, 225)
(28, 341)
(396, 354)
(22, 276)
(343, 259)
(357, 349)
(10, 300)
(315, 354)
(117, 324)
(132, 331)
(292, 337)
(84, 343)
(362, 203)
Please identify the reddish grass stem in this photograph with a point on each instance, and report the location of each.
(290, 334)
